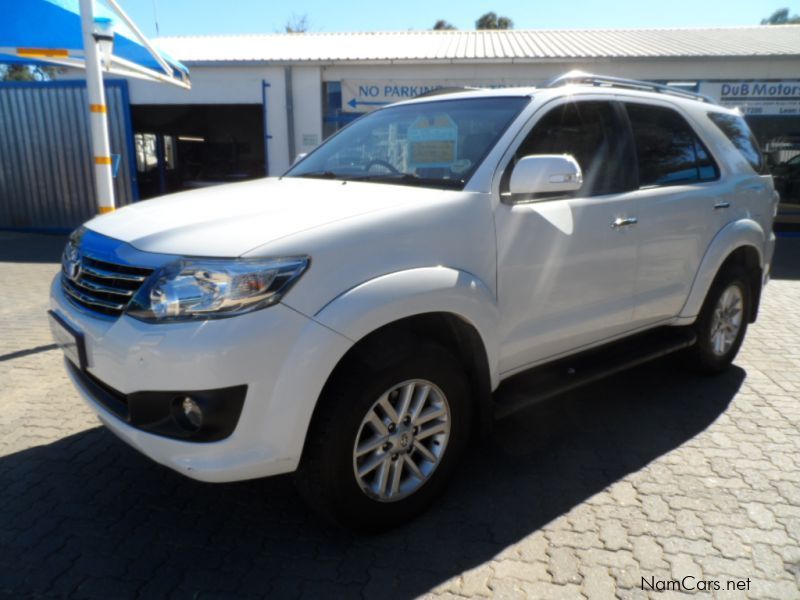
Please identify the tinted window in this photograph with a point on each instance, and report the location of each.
(667, 149)
(736, 130)
(586, 131)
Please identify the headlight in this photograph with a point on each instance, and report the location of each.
(210, 288)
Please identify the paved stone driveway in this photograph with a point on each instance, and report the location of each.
(654, 474)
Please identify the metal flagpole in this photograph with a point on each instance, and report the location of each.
(98, 113)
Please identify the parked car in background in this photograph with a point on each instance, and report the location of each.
(787, 179)
(356, 320)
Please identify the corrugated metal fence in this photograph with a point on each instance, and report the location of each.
(46, 179)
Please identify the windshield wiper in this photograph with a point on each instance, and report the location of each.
(399, 178)
(411, 179)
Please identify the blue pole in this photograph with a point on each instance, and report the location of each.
(267, 136)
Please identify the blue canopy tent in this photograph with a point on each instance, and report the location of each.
(88, 35)
(50, 31)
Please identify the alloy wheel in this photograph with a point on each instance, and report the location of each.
(726, 321)
(401, 440)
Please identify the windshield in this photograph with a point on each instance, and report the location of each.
(432, 144)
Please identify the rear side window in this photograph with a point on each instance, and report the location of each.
(667, 148)
(736, 130)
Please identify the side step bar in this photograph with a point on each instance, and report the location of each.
(540, 383)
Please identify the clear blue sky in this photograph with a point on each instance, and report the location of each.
(196, 17)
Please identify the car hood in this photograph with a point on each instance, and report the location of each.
(228, 220)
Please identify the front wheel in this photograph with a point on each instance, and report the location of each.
(722, 323)
(384, 441)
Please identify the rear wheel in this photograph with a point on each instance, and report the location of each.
(384, 440)
(722, 323)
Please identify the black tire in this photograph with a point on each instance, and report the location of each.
(702, 357)
(326, 478)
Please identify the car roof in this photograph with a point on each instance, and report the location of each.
(569, 90)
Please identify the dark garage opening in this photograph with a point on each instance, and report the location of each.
(779, 138)
(180, 147)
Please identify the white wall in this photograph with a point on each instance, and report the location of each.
(277, 126)
(307, 101)
(241, 84)
(210, 85)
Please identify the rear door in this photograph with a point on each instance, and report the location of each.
(678, 193)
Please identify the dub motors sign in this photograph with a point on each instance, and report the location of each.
(756, 97)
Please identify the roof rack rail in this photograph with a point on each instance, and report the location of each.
(631, 84)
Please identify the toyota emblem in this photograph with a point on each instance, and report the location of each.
(72, 266)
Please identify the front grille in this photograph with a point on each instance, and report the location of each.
(103, 287)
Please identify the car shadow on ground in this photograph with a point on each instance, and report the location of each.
(786, 263)
(87, 514)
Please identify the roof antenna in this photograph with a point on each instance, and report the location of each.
(155, 17)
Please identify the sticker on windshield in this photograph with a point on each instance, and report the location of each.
(432, 142)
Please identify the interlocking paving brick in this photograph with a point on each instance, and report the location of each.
(648, 553)
(521, 570)
(563, 565)
(653, 473)
(597, 583)
(475, 582)
(614, 535)
(728, 543)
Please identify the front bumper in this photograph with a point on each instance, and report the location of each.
(282, 357)
(162, 413)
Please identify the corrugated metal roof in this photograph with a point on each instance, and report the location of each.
(773, 40)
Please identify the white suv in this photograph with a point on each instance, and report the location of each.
(353, 319)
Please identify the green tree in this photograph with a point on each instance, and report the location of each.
(491, 21)
(14, 72)
(297, 24)
(442, 25)
(18, 72)
(781, 17)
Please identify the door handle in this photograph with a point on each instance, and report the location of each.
(623, 222)
(722, 204)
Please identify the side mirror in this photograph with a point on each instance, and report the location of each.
(299, 157)
(546, 174)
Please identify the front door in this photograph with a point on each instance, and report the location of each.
(567, 264)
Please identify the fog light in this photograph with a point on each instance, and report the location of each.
(192, 413)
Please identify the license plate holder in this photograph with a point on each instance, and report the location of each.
(70, 341)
